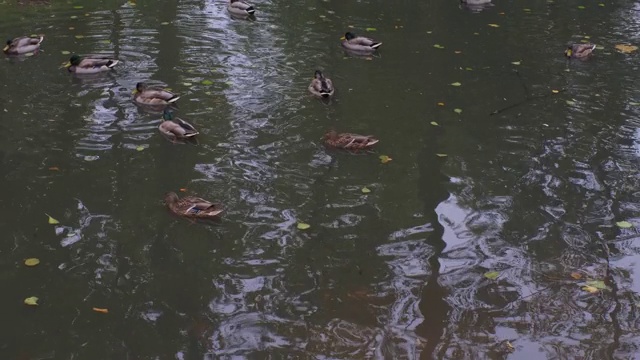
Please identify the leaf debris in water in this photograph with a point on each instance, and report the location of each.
(438, 46)
(31, 301)
(456, 84)
(371, 29)
(434, 123)
(626, 48)
(101, 310)
(52, 221)
(366, 190)
(457, 111)
(32, 262)
(442, 155)
(491, 275)
(494, 25)
(303, 226)
(624, 224)
(384, 159)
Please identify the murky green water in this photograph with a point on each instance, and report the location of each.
(532, 192)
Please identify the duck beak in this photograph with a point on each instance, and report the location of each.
(5, 48)
(568, 52)
(67, 64)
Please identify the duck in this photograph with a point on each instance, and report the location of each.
(153, 96)
(90, 64)
(23, 45)
(579, 51)
(357, 43)
(349, 141)
(176, 128)
(321, 86)
(240, 8)
(192, 206)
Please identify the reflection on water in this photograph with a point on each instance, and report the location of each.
(532, 192)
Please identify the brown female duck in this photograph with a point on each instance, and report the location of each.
(349, 141)
(192, 207)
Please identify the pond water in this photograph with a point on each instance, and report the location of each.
(491, 234)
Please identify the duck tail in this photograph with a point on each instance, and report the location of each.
(173, 99)
(40, 39)
(251, 10)
(376, 45)
(112, 63)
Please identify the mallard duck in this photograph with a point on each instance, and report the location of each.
(321, 86)
(357, 43)
(349, 141)
(579, 51)
(240, 8)
(153, 96)
(90, 64)
(23, 45)
(176, 128)
(192, 207)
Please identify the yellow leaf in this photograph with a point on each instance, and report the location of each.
(494, 25)
(590, 289)
(101, 310)
(303, 226)
(366, 190)
(32, 301)
(492, 275)
(456, 84)
(440, 104)
(52, 221)
(442, 155)
(576, 275)
(32, 262)
(385, 159)
(626, 48)
(434, 123)
(555, 91)
(140, 148)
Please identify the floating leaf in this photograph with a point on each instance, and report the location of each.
(79, 36)
(598, 284)
(384, 159)
(468, 69)
(457, 52)
(32, 301)
(494, 25)
(626, 48)
(187, 84)
(442, 155)
(440, 104)
(91, 157)
(457, 111)
(52, 221)
(555, 91)
(371, 29)
(570, 102)
(624, 224)
(438, 46)
(365, 190)
(434, 123)
(164, 23)
(78, 7)
(183, 189)
(54, 168)
(601, 5)
(590, 289)
(32, 262)
(207, 82)
(576, 275)
(456, 84)
(492, 275)
(515, 62)
(101, 310)
(581, 7)
(65, 52)
(525, 9)
(73, 16)
(106, 41)
(634, 103)
(303, 226)
(140, 148)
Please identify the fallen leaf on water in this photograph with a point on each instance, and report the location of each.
(590, 289)
(581, 7)
(73, 17)
(140, 148)
(371, 29)
(65, 52)
(438, 46)
(32, 301)
(32, 262)
(601, 5)
(52, 221)
(457, 111)
(634, 103)
(164, 23)
(555, 91)
(570, 102)
(79, 36)
(598, 284)
(442, 155)
(510, 347)
(624, 224)
(78, 7)
(207, 82)
(187, 84)
(515, 62)
(54, 168)
(101, 310)
(440, 104)
(468, 69)
(365, 190)
(303, 226)
(434, 123)
(525, 9)
(494, 25)
(576, 275)
(456, 84)
(183, 189)
(492, 275)
(457, 52)
(626, 48)
(106, 41)
(385, 159)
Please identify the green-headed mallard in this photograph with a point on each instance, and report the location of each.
(579, 51)
(357, 43)
(153, 96)
(240, 8)
(90, 64)
(176, 128)
(321, 86)
(192, 207)
(349, 141)
(23, 45)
